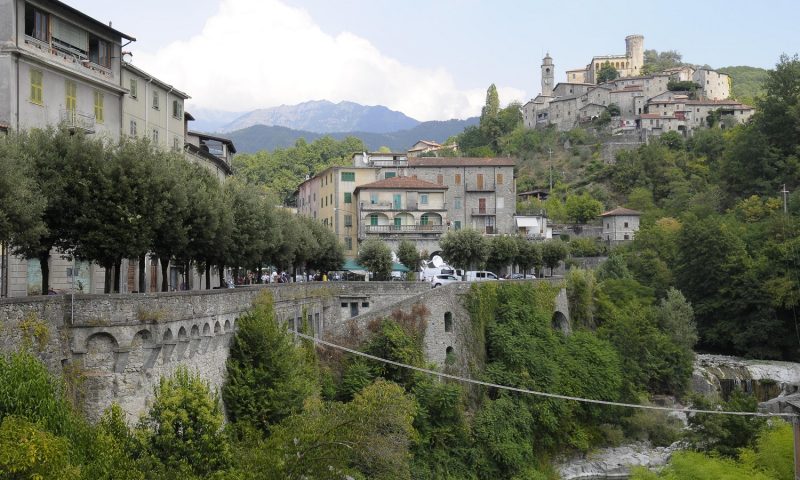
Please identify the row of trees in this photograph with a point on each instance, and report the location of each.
(81, 197)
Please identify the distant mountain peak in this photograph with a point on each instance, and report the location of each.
(324, 116)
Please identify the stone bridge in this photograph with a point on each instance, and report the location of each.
(119, 346)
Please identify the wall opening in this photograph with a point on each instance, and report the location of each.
(449, 356)
(560, 323)
(448, 321)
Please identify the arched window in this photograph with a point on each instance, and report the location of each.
(424, 219)
(448, 322)
(373, 219)
(449, 356)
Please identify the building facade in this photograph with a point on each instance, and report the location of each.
(620, 224)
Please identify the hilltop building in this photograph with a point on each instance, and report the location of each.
(646, 103)
(393, 197)
(620, 224)
(63, 67)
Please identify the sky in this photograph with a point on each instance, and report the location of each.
(432, 60)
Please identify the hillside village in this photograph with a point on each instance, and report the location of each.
(679, 99)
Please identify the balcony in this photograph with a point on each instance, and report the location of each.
(77, 120)
(476, 187)
(400, 229)
(484, 212)
(389, 207)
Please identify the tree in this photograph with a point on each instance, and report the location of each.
(268, 376)
(21, 204)
(183, 428)
(330, 255)
(408, 255)
(607, 73)
(172, 219)
(529, 255)
(655, 61)
(675, 316)
(582, 208)
(553, 252)
(613, 110)
(492, 106)
(376, 257)
(502, 252)
(464, 249)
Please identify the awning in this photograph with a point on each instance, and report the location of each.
(399, 267)
(527, 222)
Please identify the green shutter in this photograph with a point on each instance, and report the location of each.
(348, 197)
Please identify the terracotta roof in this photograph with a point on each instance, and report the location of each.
(620, 211)
(460, 162)
(630, 88)
(732, 103)
(651, 115)
(405, 183)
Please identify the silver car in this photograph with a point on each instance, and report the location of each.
(439, 280)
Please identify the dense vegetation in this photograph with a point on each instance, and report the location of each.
(300, 412)
(103, 203)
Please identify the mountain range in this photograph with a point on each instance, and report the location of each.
(280, 127)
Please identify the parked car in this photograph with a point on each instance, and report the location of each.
(519, 276)
(439, 280)
(479, 276)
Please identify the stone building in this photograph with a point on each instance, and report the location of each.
(620, 224)
(646, 104)
(63, 67)
(402, 208)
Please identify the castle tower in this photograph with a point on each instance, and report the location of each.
(548, 75)
(634, 50)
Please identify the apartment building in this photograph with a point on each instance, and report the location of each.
(152, 109)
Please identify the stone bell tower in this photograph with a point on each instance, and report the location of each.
(548, 76)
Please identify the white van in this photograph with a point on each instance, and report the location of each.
(479, 276)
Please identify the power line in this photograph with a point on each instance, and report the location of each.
(533, 392)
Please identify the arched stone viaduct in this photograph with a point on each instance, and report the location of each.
(119, 346)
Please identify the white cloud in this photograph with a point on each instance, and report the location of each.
(262, 53)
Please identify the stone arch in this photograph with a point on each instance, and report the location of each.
(140, 349)
(560, 322)
(167, 335)
(430, 218)
(206, 330)
(100, 352)
(227, 326)
(217, 328)
(448, 321)
(195, 332)
(449, 355)
(405, 218)
(182, 335)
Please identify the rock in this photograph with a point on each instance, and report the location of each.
(720, 375)
(616, 462)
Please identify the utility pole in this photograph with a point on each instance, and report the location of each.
(550, 156)
(785, 204)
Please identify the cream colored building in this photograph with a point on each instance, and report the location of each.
(620, 224)
(152, 109)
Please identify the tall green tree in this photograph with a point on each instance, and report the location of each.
(465, 249)
(607, 73)
(408, 255)
(553, 253)
(183, 428)
(21, 204)
(583, 208)
(492, 106)
(171, 219)
(503, 251)
(376, 257)
(268, 376)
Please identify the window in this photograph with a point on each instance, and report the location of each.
(457, 225)
(348, 197)
(390, 175)
(424, 219)
(626, 237)
(98, 106)
(177, 109)
(134, 88)
(155, 135)
(499, 178)
(373, 219)
(348, 220)
(458, 179)
(155, 99)
(364, 304)
(133, 128)
(501, 202)
(344, 305)
(36, 86)
(37, 24)
(626, 224)
(99, 52)
(457, 203)
(348, 243)
(348, 176)
(423, 199)
(373, 198)
(440, 179)
(448, 321)
(71, 94)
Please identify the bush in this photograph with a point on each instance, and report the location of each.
(659, 427)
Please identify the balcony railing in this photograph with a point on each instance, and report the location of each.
(476, 212)
(390, 207)
(474, 187)
(74, 119)
(404, 228)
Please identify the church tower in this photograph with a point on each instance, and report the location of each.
(548, 75)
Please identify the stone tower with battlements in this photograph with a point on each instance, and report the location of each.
(548, 75)
(634, 50)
